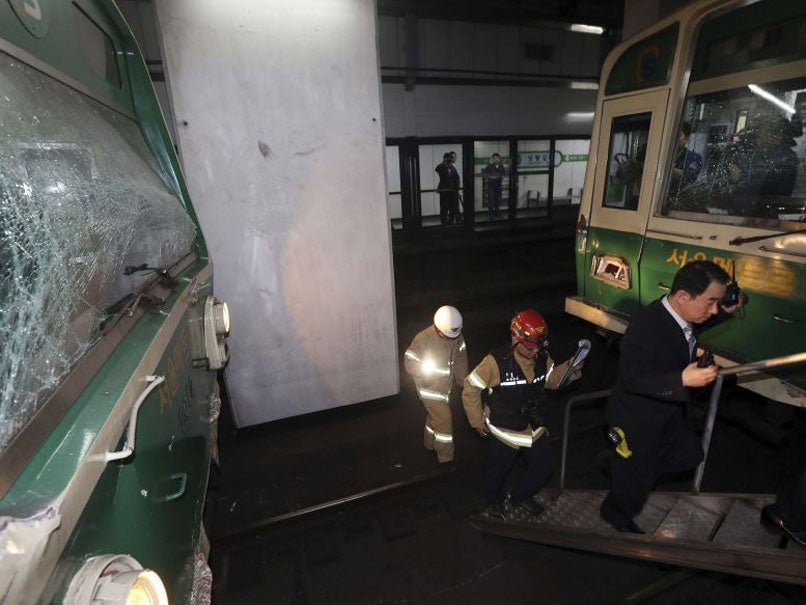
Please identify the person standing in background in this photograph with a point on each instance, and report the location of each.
(448, 187)
(493, 175)
(687, 162)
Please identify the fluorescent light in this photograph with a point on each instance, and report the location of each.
(581, 28)
(580, 115)
(770, 97)
(576, 85)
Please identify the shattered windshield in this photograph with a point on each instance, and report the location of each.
(741, 154)
(84, 218)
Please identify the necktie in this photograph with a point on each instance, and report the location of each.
(692, 341)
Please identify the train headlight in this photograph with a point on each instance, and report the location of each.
(216, 329)
(221, 318)
(115, 580)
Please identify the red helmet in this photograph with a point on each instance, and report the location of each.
(530, 329)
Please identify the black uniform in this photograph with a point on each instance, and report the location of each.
(516, 405)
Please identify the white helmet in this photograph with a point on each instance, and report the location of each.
(448, 321)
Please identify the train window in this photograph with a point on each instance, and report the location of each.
(759, 35)
(740, 156)
(98, 48)
(85, 217)
(627, 151)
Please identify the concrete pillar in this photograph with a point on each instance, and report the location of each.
(279, 126)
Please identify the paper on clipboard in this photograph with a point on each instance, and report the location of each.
(583, 349)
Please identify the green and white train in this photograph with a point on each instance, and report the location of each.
(110, 337)
(698, 151)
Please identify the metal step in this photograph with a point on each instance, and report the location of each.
(717, 532)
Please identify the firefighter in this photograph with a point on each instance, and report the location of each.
(503, 395)
(436, 359)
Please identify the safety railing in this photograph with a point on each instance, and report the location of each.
(713, 406)
(716, 392)
(589, 397)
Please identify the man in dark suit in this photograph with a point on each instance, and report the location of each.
(652, 394)
(493, 175)
(448, 187)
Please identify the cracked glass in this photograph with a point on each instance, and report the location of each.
(85, 219)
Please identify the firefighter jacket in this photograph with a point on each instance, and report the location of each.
(436, 363)
(498, 393)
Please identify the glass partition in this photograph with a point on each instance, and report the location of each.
(394, 195)
(570, 160)
(533, 168)
(441, 200)
(491, 166)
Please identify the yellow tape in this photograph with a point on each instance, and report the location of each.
(622, 449)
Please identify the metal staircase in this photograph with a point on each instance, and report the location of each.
(717, 532)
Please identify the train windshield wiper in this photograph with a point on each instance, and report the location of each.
(738, 241)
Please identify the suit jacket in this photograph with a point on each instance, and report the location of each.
(493, 175)
(448, 177)
(649, 396)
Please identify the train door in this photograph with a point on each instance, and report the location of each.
(622, 194)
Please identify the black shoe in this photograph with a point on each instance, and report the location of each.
(531, 506)
(628, 526)
(771, 519)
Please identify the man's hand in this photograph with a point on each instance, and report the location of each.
(482, 430)
(698, 377)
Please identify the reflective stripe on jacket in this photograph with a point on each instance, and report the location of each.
(485, 377)
(436, 363)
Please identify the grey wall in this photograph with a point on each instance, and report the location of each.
(279, 123)
(485, 54)
(441, 110)
(487, 47)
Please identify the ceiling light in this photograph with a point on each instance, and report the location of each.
(770, 97)
(577, 85)
(581, 28)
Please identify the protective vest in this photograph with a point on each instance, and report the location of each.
(515, 403)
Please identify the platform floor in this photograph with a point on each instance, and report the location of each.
(346, 506)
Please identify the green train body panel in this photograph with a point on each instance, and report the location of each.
(617, 243)
(774, 287)
(69, 503)
(160, 494)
